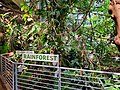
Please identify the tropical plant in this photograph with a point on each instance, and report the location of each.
(81, 32)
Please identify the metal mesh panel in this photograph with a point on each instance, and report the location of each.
(73, 79)
(37, 75)
(7, 72)
(43, 77)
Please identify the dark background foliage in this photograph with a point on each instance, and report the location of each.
(80, 31)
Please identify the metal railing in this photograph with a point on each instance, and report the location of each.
(42, 75)
(7, 72)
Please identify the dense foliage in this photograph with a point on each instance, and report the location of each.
(80, 31)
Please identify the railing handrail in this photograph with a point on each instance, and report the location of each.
(60, 76)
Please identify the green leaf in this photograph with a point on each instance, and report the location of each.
(110, 88)
(21, 4)
(25, 16)
(22, 8)
(31, 12)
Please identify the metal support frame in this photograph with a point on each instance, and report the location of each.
(37, 75)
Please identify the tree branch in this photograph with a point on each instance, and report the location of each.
(85, 16)
(12, 9)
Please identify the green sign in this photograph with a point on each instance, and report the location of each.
(43, 57)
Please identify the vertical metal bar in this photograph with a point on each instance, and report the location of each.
(15, 68)
(59, 88)
(59, 77)
(13, 76)
(5, 70)
(0, 64)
